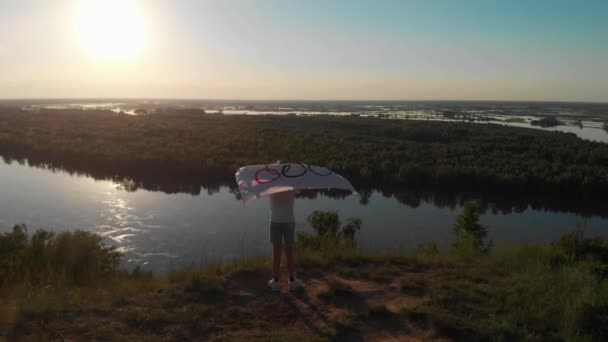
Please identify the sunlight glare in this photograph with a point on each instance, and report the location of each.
(111, 29)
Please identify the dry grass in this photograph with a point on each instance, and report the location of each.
(509, 295)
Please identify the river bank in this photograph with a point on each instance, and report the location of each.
(557, 292)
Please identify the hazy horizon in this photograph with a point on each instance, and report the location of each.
(95, 99)
(520, 51)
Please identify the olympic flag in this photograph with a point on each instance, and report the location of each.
(256, 181)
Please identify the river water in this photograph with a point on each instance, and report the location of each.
(159, 231)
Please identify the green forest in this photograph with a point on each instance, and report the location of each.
(189, 144)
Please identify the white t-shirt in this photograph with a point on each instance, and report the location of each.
(281, 206)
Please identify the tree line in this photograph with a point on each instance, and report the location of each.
(189, 144)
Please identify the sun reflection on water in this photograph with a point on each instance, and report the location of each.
(124, 229)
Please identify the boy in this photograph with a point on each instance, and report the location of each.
(282, 230)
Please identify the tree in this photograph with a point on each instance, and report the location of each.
(470, 234)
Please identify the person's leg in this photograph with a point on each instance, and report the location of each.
(290, 262)
(276, 259)
(294, 283)
(276, 238)
(289, 250)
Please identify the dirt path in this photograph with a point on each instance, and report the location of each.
(364, 310)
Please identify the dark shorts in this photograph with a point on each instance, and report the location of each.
(282, 232)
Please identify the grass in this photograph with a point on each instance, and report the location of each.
(554, 292)
(414, 287)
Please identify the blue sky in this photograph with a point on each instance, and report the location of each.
(486, 50)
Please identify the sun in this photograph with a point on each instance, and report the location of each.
(111, 29)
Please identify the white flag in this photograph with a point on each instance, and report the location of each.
(255, 181)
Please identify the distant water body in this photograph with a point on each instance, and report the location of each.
(586, 120)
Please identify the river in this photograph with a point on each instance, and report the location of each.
(160, 231)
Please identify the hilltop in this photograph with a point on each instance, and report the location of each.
(556, 292)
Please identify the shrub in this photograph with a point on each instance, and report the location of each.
(470, 234)
(330, 234)
(325, 223)
(350, 229)
(575, 247)
(77, 257)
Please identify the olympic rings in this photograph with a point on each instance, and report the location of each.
(272, 171)
(319, 174)
(275, 174)
(286, 168)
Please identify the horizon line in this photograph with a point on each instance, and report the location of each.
(292, 100)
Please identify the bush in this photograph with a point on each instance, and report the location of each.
(575, 247)
(77, 258)
(325, 223)
(329, 232)
(350, 229)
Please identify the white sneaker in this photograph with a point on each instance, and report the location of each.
(274, 285)
(295, 284)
